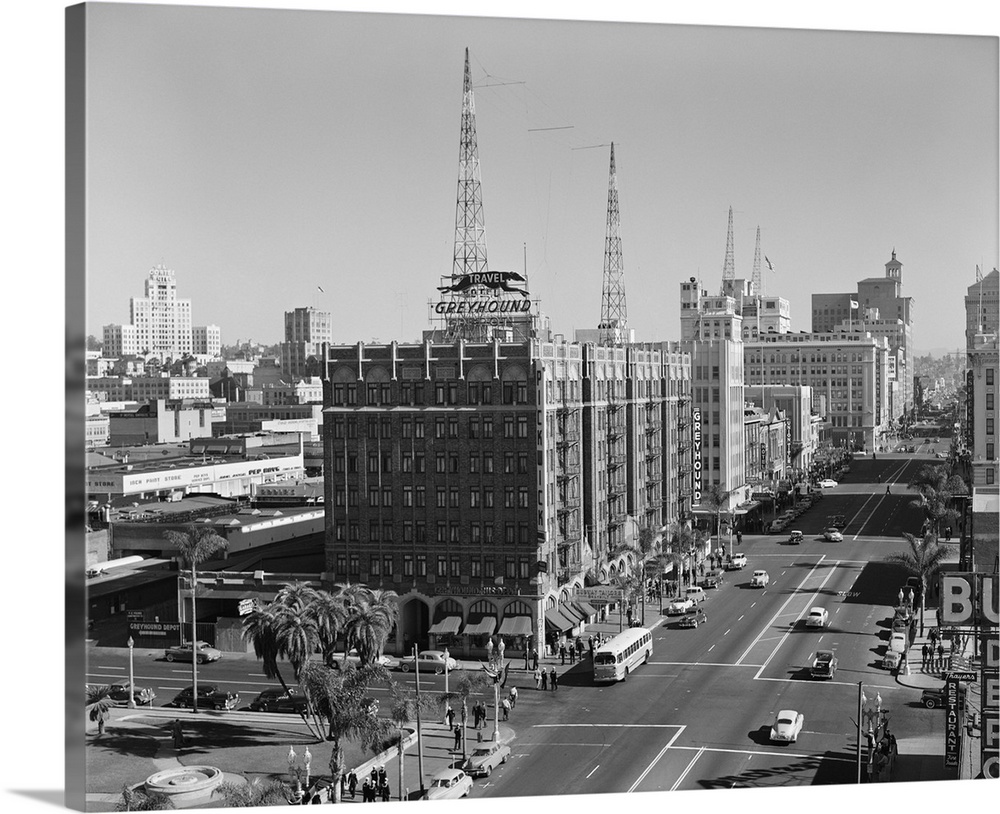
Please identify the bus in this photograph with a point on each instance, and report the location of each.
(618, 656)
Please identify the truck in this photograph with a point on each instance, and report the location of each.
(824, 665)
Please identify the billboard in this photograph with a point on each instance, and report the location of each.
(696, 456)
(968, 599)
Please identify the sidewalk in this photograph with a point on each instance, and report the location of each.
(915, 675)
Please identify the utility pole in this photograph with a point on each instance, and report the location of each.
(420, 737)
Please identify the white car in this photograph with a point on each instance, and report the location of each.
(429, 660)
(448, 784)
(827, 483)
(680, 606)
(737, 562)
(787, 726)
(759, 579)
(898, 643)
(486, 758)
(833, 535)
(818, 617)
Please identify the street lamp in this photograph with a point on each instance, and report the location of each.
(295, 771)
(131, 674)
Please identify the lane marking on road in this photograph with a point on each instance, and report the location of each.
(108, 667)
(752, 752)
(700, 664)
(611, 726)
(690, 766)
(598, 766)
(781, 610)
(656, 759)
(727, 632)
(791, 627)
(741, 617)
(754, 605)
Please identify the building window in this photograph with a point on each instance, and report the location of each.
(439, 463)
(522, 463)
(473, 428)
(489, 568)
(990, 451)
(439, 426)
(508, 426)
(407, 565)
(508, 463)
(509, 534)
(474, 464)
(418, 428)
(488, 463)
(476, 568)
(989, 401)
(421, 565)
(989, 426)
(453, 498)
(475, 532)
(989, 476)
(407, 496)
(355, 565)
(454, 565)
(522, 426)
(407, 532)
(508, 497)
(419, 464)
(421, 497)
(488, 536)
(387, 565)
(373, 497)
(442, 566)
(510, 569)
(989, 376)
(522, 497)
(453, 428)
(524, 568)
(373, 565)
(488, 498)
(442, 498)
(487, 428)
(508, 392)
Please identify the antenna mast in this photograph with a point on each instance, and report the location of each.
(613, 327)
(729, 267)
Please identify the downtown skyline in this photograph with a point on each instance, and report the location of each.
(286, 154)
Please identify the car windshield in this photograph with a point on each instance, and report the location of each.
(784, 721)
(482, 752)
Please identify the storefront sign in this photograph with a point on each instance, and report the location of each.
(696, 463)
(952, 730)
(474, 590)
(989, 647)
(602, 593)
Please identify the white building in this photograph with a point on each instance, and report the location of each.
(162, 321)
(206, 340)
(120, 340)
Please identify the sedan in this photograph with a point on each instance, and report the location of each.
(276, 699)
(897, 642)
(759, 579)
(448, 784)
(680, 606)
(209, 695)
(185, 652)
(486, 758)
(827, 483)
(795, 537)
(818, 617)
(119, 695)
(693, 619)
(429, 660)
(787, 726)
(833, 535)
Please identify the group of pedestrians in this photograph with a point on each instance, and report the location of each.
(479, 715)
(933, 657)
(546, 680)
(375, 787)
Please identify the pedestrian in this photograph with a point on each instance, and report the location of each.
(947, 533)
(527, 659)
(343, 786)
(940, 652)
(739, 538)
(513, 697)
(554, 679)
(923, 654)
(352, 783)
(590, 645)
(458, 738)
(538, 678)
(366, 791)
(534, 658)
(572, 653)
(579, 648)
(888, 491)
(383, 776)
(385, 792)
(177, 731)
(562, 652)
(450, 716)
(505, 706)
(545, 680)
(879, 478)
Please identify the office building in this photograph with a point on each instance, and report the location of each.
(306, 329)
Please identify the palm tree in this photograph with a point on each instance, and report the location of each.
(937, 489)
(367, 629)
(136, 799)
(922, 560)
(717, 499)
(467, 684)
(330, 615)
(99, 706)
(342, 699)
(259, 627)
(297, 637)
(195, 546)
(683, 541)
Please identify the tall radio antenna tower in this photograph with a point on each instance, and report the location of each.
(729, 267)
(613, 327)
(470, 227)
(757, 280)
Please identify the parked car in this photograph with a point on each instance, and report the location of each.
(448, 784)
(738, 562)
(837, 521)
(486, 758)
(759, 579)
(209, 695)
(787, 726)
(680, 605)
(827, 483)
(429, 660)
(900, 624)
(714, 579)
(119, 695)
(276, 699)
(898, 642)
(695, 593)
(933, 697)
(824, 665)
(833, 535)
(818, 617)
(185, 652)
(891, 659)
(777, 526)
(795, 537)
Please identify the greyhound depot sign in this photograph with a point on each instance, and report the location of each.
(968, 599)
(476, 299)
(696, 463)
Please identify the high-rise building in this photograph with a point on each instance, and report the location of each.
(119, 340)
(306, 329)
(162, 321)
(982, 307)
(880, 299)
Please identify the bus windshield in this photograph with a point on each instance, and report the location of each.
(604, 658)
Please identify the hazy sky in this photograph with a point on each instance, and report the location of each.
(263, 153)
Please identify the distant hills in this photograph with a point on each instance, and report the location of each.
(939, 352)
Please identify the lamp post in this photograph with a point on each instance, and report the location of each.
(131, 674)
(294, 773)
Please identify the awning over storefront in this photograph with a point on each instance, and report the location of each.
(744, 508)
(448, 625)
(586, 607)
(515, 626)
(554, 619)
(571, 611)
(484, 627)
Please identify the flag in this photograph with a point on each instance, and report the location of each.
(979, 274)
(770, 265)
(854, 304)
(321, 289)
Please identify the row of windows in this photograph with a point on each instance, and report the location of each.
(444, 532)
(446, 566)
(437, 393)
